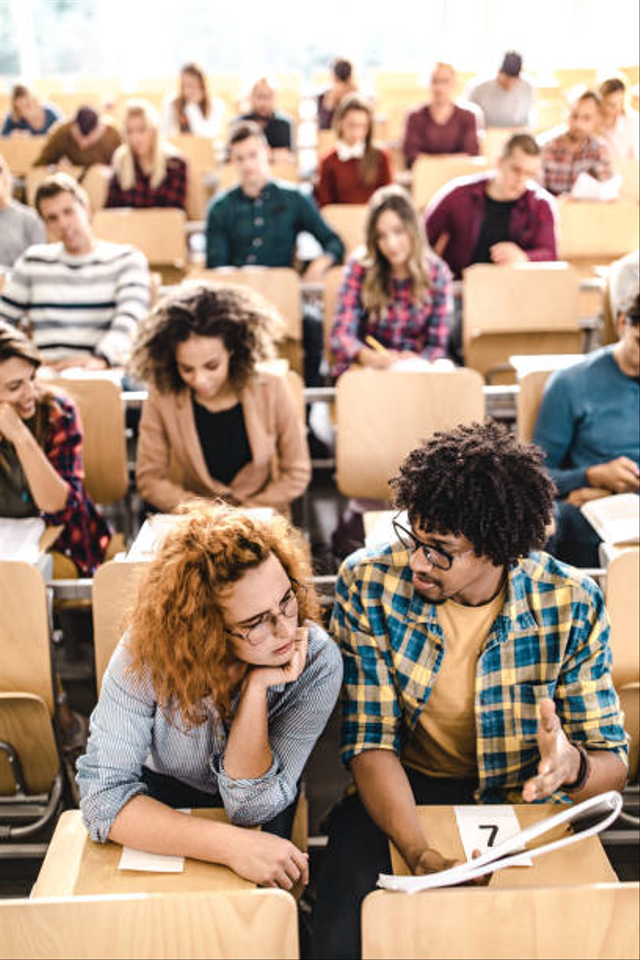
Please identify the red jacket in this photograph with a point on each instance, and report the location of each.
(458, 210)
(340, 181)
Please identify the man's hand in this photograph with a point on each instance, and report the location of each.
(12, 426)
(430, 861)
(317, 268)
(621, 475)
(584, 494)
(559, 759)
(507, 252)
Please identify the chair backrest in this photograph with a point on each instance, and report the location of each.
(158, 232)
(630, 170)
(525, 308)
(529, 400)
(597, 920)
(569, 77)
(494, 140)
(104, 448)
(348, 220)
(176, 926)
(25, 654)
(429, 173)
(20, 153)
(332, 283)
(25, 723)
(227, 173)
(593, 229)
(382, 415)
(35, 176)
(115, 586)
(199, 152)
(279, 285)
(623, 606)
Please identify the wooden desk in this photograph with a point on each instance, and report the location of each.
(583, 862)
(76, 866)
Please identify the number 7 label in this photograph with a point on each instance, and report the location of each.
(484, 827)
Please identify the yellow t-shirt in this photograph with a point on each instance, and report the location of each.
(444, 739)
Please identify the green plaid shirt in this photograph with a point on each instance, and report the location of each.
(551, 639)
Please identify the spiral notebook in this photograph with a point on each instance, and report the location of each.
(606, 806)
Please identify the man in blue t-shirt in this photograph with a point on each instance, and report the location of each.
(589, 426)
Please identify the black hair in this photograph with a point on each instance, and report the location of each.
(481, 482)
(631, 310)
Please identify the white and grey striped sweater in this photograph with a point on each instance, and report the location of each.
(87, 304)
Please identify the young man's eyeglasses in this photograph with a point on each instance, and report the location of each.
(436, 556)
(261, 628)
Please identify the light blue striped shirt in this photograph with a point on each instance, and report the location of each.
(129, 731)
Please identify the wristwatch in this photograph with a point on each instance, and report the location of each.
(583, 771)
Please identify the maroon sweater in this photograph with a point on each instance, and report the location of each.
(423, 135)
(340, 181)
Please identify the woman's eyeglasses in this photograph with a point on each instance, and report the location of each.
(261, 628)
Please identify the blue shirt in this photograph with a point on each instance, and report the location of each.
(589, 415)
(129, 730)
(262, 231)
(51, 114)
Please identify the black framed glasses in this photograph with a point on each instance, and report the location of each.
(261, 629)
(436, 556)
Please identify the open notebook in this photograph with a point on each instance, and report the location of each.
(607, 806)
(615, 519)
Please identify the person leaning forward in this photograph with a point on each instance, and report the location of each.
(474, 669)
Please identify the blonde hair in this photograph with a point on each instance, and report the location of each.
(177, 633)
(18, 91)
(124, 160)
(376, 288)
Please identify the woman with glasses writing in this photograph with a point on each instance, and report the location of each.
(214, 697)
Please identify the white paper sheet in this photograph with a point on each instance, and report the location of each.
(20, 538)
(133, 859)
(484, 827)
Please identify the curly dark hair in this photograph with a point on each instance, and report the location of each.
(481, 482)
(247, 324)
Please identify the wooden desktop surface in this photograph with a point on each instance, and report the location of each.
(77, 866)
(582, 862)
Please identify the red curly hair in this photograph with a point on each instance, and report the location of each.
(176, 629)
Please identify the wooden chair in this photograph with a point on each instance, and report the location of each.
(104, 449)
(382, 415)
(596, 231)
(525, 308)
(623, 606)
(200, 154)
(227, 175)
(326, 141)
(158, 232)
(348, 220)
(170, 926)
(332, 283)
(429, 173)
(630, 170)
(279, 285)
(528, 402)
(30, 771)
(20, 153)
(494, 140)
(545, 923)
(569, 77)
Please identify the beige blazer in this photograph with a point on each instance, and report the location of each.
(171, 466)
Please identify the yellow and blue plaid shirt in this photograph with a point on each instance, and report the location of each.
(551, 639)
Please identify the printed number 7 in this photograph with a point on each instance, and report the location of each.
(492, 828)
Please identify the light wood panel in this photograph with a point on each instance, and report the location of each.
(25, 723)
(529, 400)
(430, 173)
(348, 220)
(158, 232)
(25, 658)
(594, 229)
(20, 153)
(249, 924)
(115, 586)
(623, 606)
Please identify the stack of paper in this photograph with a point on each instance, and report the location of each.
(615, 519)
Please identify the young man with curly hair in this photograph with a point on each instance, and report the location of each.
(475, 670)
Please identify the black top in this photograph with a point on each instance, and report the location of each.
(494, 229)
(224, 441)
(15, 494)
(276, 127)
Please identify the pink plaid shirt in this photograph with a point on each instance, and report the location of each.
(561, 166)
(422, 328)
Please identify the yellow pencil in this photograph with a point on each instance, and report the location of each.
(373, 343)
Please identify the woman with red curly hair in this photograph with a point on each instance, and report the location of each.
(215, 696)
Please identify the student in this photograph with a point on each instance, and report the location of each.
(41, 471)
(215, 696)
(28, 116)
(355, 168)
(83, 297)
(193, 110)
(258, 222)
(588, 427)
(147, 170)
(507, 100)
(83, 141)
(276, 126)
(577, 149)
(474, 671)
(618, 126)
(440, 126)
(229, 430)
(342, 84)
(395, 290)
(20, 226)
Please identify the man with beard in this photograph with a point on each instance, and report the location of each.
(474, 670)
(577, 149)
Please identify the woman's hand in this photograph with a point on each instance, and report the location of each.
(12, 427)
(268, 860)
(377, 359)
(288, 672)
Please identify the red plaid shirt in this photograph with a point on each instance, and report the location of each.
(561, 166)
(422, 328)
(86, 534)
(172, 192)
